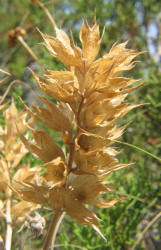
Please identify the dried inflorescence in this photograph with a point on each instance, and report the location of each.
(90, 95)
(12, 151)
(14, 34)
(34, 1)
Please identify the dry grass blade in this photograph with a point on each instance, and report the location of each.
(10, 87)
(6, 92)
(141, 235)
(47, 13)
(5, 72)
(4, 80)
(25, 45)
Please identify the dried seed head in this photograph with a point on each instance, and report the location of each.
(57, 172)
(13, 35)
(90, 96)
(34, 1)
(12, 151)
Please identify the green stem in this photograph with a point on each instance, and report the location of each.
(126, 144)
(139, 149)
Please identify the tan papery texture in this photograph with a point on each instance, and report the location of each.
(90, 96)
(12, 152)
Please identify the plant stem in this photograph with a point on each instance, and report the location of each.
(56, 230)
(32, 54)
(58, 216)
(8, 239)
(23, 240)
(72, 144)
(1, 243)
(6, 92)
(126, 144)
(47, 13)
(138, 148)
(146, 229)
(5, 72)
(8, 217)
(53, 229)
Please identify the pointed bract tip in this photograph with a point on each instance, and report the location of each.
(94, 21)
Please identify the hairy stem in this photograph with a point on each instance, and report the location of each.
(53, 229)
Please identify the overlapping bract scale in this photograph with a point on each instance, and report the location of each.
(11, 148)
(12, 151)
(43, 146)
(90, 39)
(90, 96)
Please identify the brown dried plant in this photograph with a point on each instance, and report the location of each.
(14, 34)
(89, 97)
(12, 150)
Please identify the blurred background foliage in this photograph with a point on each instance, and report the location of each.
(138, 21)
